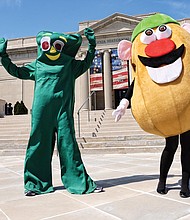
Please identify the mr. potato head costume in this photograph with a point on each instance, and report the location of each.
(159, 52)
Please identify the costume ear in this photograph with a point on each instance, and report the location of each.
(124, 50)
(186, 26)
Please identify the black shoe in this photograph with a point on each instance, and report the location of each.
(98, 190)
(161, 188)
(184, 194)
(30, 193)
(162, 191)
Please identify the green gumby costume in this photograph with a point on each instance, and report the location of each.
(54, 72)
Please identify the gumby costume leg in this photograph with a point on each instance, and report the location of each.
(54, 72)
(37, 173)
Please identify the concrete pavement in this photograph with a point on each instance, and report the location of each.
(129, 181)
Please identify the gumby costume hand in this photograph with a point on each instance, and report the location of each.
(3, 46)
(89, 33)
(54, 72)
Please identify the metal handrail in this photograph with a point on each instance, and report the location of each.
(78, 112)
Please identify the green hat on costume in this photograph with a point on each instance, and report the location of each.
(151, 22)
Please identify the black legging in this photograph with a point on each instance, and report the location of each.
(168, 155)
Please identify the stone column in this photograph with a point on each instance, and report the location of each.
(108, 87)
(2, 108)
(84, 80)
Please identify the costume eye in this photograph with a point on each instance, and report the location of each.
(45, 43)
(148, 36)
(58, 45)
(163, 31)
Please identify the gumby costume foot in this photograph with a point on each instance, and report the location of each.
(54, 72)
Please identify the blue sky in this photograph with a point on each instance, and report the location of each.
(23, 18)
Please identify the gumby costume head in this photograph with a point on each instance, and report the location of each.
(160, 59)
(52, 45)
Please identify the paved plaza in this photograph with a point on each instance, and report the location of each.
(129, 181)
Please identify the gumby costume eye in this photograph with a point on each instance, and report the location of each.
(148, 36)
(45, 43)
(163, 31)
(58, 45)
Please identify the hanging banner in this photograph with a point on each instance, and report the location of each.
(118, 68)
(96, 82)
(119, 71)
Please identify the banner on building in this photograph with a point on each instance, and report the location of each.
(118, 68)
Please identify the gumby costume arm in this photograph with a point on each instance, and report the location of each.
(24, 72)
(81, 66)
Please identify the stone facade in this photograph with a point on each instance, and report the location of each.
(109, 31)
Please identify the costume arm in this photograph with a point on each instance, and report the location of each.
(24, 72)
(129, 93)
(81, 66)
(124, 103)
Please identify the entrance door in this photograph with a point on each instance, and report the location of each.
(119, 94)
(97, 101)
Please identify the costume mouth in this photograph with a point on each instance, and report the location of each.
(165, 68)
(53, 57)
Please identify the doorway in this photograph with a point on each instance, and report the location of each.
(119, 94)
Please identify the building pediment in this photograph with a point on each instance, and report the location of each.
(114, 23)
(110, 30)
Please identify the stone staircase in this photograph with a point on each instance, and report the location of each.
(96, 133)
(125, 136)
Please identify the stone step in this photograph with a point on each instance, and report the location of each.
(12, 129)
(136, 137)
(115, 133)
(139, 136)
(119, 137)
(103, 150)
(122, 150)
(12, 152)
(13, 136)
(14, 123)
(84, 132)
(124, 136)
(116, 144)
(22, 143)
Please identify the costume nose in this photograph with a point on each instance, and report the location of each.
(160, 47)
(53, 50)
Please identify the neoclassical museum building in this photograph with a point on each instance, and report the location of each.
(102, 86)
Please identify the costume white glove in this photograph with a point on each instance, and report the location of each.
(120, 110)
